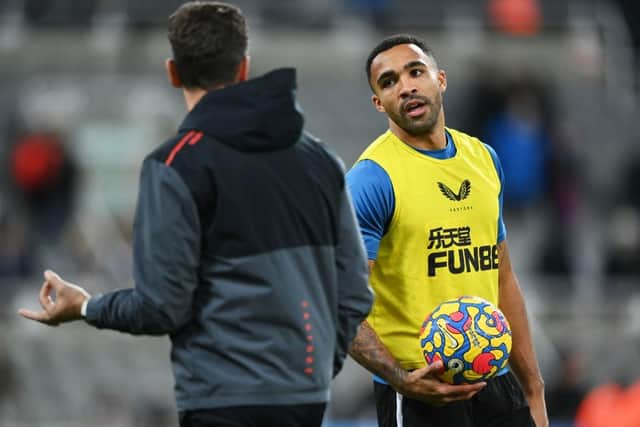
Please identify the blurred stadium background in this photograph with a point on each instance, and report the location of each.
(553, 85)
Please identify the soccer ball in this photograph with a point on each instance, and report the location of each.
(470, 335)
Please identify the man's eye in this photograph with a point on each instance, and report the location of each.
(416, 72)
(387, 83)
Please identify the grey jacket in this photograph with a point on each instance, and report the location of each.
(246, 252)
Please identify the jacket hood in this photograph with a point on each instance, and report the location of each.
(260, 114)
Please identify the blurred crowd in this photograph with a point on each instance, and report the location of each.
(552, 85)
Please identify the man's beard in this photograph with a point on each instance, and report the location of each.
(424, 125)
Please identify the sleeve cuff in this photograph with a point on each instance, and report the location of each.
(83, 309)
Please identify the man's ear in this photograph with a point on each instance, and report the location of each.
(442, 80)
(172, 73)
(377, 104)
(242, 75)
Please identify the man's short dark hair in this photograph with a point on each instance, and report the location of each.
(393, 41)
(208, 40)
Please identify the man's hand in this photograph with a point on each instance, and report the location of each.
(64, 306)
(424, 385)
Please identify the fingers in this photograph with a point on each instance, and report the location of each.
(33, 315)
(452, 393)
(468, 388)
(59, 284)
(45, 298)
(462, 389)
(442, 392)
(469, 392)
(52, 281)
(437, 366)
(47, 303)
(60, 301)
(53, 278)
(40, 316)
(429, 370)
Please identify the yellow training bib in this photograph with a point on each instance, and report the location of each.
(441, 241)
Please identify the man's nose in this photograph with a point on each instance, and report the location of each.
(407, 88)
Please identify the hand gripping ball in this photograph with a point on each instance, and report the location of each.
(470, 335)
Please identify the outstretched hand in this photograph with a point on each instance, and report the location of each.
(64, 306)
(423, 384)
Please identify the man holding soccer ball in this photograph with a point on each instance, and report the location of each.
(429, 202)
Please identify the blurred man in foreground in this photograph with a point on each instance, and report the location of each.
(246, 248)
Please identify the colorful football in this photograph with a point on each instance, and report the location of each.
(470, 335)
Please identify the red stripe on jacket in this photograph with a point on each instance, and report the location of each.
(191, 137)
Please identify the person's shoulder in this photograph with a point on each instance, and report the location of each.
(368, 174)
(381, 149)
(491, 151)
(459, 135)
(167, 151)
(471, 142)
(367, 167)
(312, 142)
(182, 153)
(380, 142)
(322, 150)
